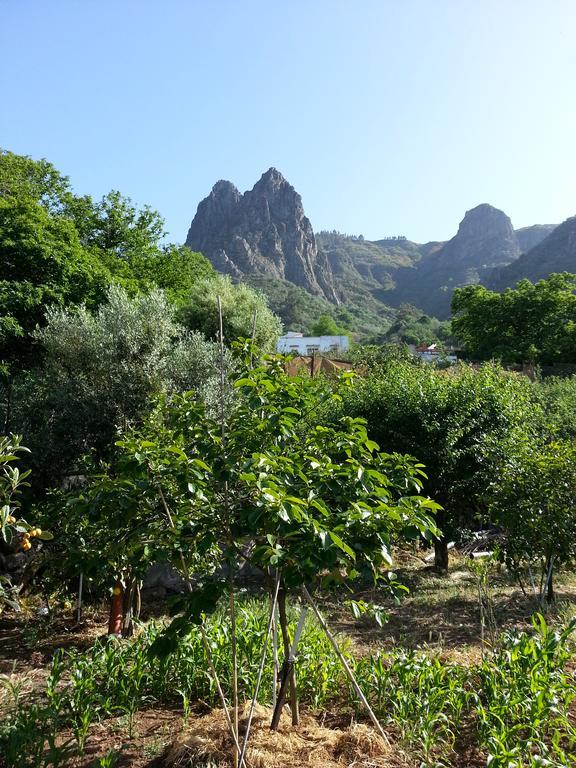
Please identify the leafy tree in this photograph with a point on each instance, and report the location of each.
(20, 176)
(318, 504)
(534, 322)
(174, 269)
(128, 241)
(458, 423)
(101, 370)
(326, 326)
(411, 326)
(43, 263)
(534, 499)
(239, 304)
(114, 226)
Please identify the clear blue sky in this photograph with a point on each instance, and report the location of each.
(388, 116)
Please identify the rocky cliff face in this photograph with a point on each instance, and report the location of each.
(556, 253)
(485, 240)
(530, 237)
(264, 231)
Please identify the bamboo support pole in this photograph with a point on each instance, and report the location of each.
(79, 600)
(275, 658)
(260, 669)
(242, 761)
(232, 602)
(346, 666)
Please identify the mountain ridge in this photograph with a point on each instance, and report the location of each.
(264, 237)
(263, 231)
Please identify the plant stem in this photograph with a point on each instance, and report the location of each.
(261, 668)
(345, 664)
(286, 644)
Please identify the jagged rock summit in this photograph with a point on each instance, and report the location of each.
(263, 231)
(485, 241)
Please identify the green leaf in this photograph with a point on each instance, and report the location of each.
(341, 545)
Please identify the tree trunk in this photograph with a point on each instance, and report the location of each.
(286, 642)
(131, 606)
(550, 585)
(441, 555)
(116, 609)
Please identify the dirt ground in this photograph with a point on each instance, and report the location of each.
(441, 614)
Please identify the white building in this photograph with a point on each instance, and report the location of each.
(309, 345)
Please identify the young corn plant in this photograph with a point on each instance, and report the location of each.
(524, 698)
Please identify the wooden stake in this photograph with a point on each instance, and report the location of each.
(79, 600)
(260, 669)
(344, 663)
(287, 676)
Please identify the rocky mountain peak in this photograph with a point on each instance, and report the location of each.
(272, 179)
(263, 231)
(224, 190)
(485, 221)
(485, 240)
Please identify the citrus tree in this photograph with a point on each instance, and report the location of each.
(15, 532)
(534, 499)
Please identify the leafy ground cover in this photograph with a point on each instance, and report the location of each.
(73, 698)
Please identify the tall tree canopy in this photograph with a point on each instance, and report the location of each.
(240, 306)
(458, 423)
(534, 322)
(58, 248)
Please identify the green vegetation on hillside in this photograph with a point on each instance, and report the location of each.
(411, 326)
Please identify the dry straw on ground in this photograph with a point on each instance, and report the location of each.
(207, 743)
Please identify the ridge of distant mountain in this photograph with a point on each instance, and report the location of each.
(555, 253)
(485, 240)
(264, 237)
(263, 231)
(530, 237)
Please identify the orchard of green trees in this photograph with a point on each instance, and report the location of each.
(122, 374)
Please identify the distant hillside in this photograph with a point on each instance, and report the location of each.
(364, 271)
(485, 240)
(370, 263)
(530, 237)
(556, 253)
(264, 238)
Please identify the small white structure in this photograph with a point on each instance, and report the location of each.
(309, 345)
(429, 353)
